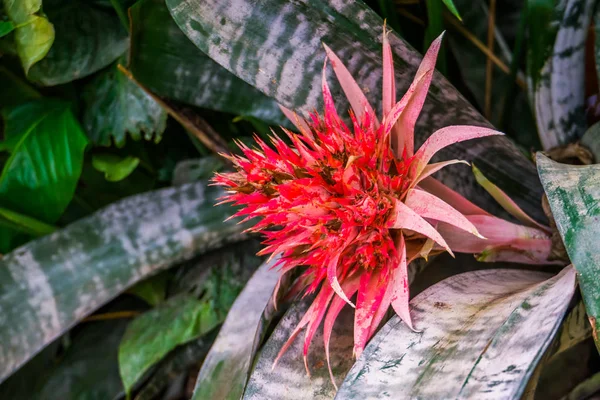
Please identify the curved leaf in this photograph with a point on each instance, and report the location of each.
(481, 335)
(114, 167)
(51, 283)
(277, 48)
(187, 74)
(34, 34)
(115, 107)
(559, 93)
(88, 39)
(574, 197)
(225, 370)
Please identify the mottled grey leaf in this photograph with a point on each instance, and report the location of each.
(196, 169)
(591, 140)
(227, 365)
(277, 47)
(51, 283)
(559, 94)
(480, 336)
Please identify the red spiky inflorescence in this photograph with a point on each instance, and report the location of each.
(355, 204)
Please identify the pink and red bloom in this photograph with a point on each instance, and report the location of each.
(354, 204)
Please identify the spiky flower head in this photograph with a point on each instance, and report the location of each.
(354, 204)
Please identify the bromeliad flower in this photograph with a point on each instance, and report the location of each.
(354, 204)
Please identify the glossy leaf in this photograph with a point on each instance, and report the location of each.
(34, 34)
(146, 341)
(480, 335)
(88, 38)
(278, 48)
(574, 195)
(115, 168)
(226, 368)
(51, 283)
(117, 107)
(559, 92)
(187, 74)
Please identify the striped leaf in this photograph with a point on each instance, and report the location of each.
(480, 336)
(558, 94)
(277, 48)
(187, 74)
(225, 371)
(51, 283)
(574, 197)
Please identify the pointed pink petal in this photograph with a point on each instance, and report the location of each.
(431, 169)
(401, 295)
(337, 304)
(506, 202)
(330, 112)
(415, 97)
(298, 122)
(432, 207)
(373, 285)
(405, 218)
(355, 95)
(322, 301)
(389, 80)
(451, 197)
(445, 137)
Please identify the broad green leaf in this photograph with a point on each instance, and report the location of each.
(6, 27)
(88, 39)
(46, 145)
(289, 379)
(277, 47)
(574, 197)
(146, 340)
(188, 75)
(34, 34)
(557, 66)
(115, 168)
(51, 283)
(226, 368)
(452, 8)
(480, 335)
(116, 107)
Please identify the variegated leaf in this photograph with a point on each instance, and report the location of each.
(51, 283)
(480, 336)
(277, 47)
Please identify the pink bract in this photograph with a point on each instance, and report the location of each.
(354, 204)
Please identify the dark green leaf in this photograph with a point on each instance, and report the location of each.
(115, 168)
(556, 66)
(88, 39)
(34, 34)
(187, 74)
(435, 27)
(115, 107)
(574, 196)
(152, 290)
(480, 335)
(46, 145)
(225, 371)
(14, 89)
(146, 340)
(277, 48)
(51, 283)
(6, 27)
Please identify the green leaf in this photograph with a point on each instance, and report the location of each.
(46, 145)
(450, 5)
(435, 27)
(557, 68)
(226, 368)
(481, 335)
(53, 282)
(188, 75)
(24, 223)
(289, 379)
(115, 107)
(574, 195)
(115, 168)
(196, 169)
(14, 89)
(6, 27)
(34, 34)
(152, 290)
(146, 340)
(277, 47)
(88, 39)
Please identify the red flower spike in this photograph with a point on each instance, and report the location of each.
(354, 204)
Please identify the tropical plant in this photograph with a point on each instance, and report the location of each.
(412, 275)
